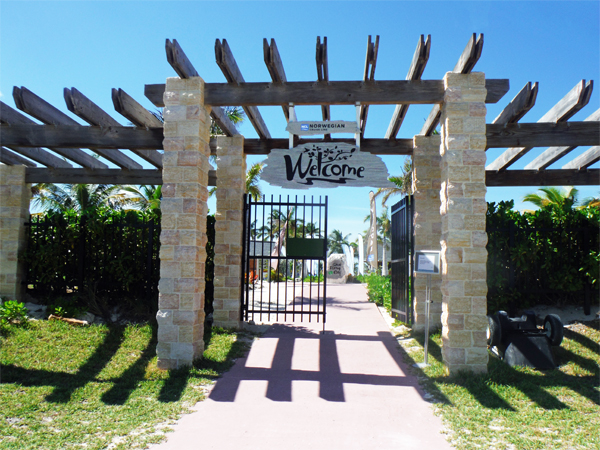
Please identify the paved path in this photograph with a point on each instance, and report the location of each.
(298, 389)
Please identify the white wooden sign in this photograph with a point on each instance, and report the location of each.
(312, 127)
(324, 165)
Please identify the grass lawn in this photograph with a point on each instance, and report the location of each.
(98, 386)
(514, 407)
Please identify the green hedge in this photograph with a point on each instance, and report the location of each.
(100, 261)
(549, 256)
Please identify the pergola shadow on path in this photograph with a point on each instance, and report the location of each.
(42, 144)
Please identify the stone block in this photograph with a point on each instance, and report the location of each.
(475, 288)
(475, 322)
(453, 356)
(457, 305)
(477, 356)
(168, 333)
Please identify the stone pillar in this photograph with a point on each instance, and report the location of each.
(427, 223)
(231, 185)
(183, 236)
(14, 212)
(463, 209)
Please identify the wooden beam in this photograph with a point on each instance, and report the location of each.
(103, 176)
(12, 159)
(275, 68)
(36, 107)
(185, 69)
(80, 136)
(94, 115)
(368, 75)
(530, 135)
(126, 105)
(339, 93)
(465, 64)
(231, 71)
(323, 75)
(415, 72)
(10, 116)
(553, 154)
(518, 106)
(585, 160)
(575, 99)
(84, 108)
(154, 93)
(334, 93)
(555, 177)
(375, 146)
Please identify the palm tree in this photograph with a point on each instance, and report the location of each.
(311, 229)
(553, 196)
(252, 179)
(336, 242)
(403, 183)
(145, 198)
(235, 114)
(82, 198)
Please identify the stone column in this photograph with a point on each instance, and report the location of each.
(231, 185)
(14, 212)
(183, 236)
(463, 209)
(427, 223)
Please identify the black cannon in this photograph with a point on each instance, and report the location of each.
(520, 342)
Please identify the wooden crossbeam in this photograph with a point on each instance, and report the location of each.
(543, 134)
(368, 75)
(67, 136)
(465, 64)
(553, 154)
(415, 72)
(585, 160)
(129, 108)
(339, 93)
(10, 116)
(375, 146)
(33, 105)
(12, 159)
(154, 93)
(84, 108)
(185, 69)
(275, 68)
(553, 177)
(322, 61)
(575, 99)
(334, 93)
(233, 75)
(102, 176)
(518, 106)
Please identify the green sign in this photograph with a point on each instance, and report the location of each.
(305, 248)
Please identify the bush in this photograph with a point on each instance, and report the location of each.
(12, 311)
(549, 256)
(379, 289)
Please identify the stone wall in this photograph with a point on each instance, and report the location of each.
(427, 223)
(14, 212)
(183, 237)
(231, 185)
(463, 210)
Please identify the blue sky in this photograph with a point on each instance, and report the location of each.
(95, 46)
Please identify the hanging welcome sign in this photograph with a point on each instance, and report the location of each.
(324, 165)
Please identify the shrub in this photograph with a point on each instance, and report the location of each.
(379, 289)
(12, 311)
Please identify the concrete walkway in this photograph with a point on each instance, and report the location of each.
(298, 389)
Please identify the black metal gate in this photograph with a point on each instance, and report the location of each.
(284, 259)
(402, 251)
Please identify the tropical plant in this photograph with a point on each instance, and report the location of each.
(235, 114)
(403, 183)
(81, 198)
(553, 196)
(252, 179)
(12, 311)
(336, 241)
(145, 197)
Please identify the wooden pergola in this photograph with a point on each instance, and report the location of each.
(26, 142)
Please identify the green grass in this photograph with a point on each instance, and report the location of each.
(514, 407)
(71, 387)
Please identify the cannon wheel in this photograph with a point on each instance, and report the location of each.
(553, 328)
